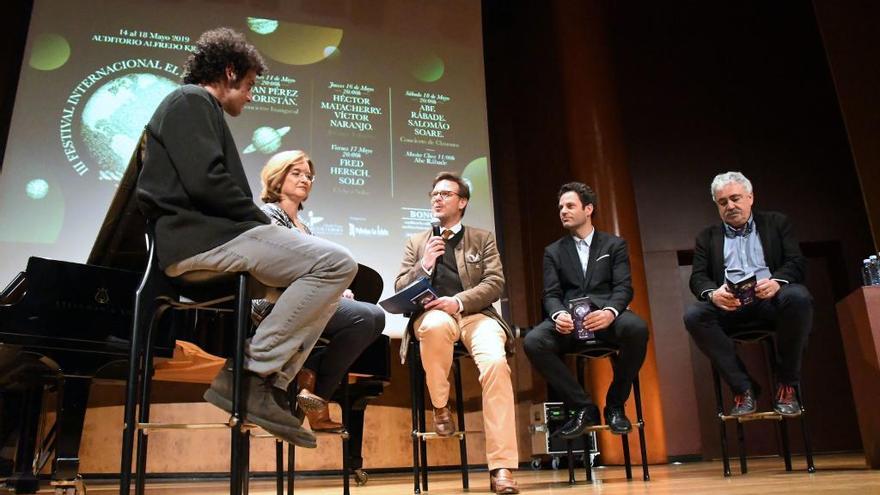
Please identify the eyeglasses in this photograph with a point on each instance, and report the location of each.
(297, 175)
(444, 195)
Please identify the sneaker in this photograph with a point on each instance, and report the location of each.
(266, 406)
(744, 403)
(785, 401)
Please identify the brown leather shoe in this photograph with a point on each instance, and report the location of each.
(319, 420)
(443, 424)
(502, 482)
(314, 405)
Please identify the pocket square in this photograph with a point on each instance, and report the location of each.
(472, 257)
(603, 256)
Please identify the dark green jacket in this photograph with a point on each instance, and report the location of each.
(193, 187)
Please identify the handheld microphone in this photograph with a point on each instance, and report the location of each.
(435, 227)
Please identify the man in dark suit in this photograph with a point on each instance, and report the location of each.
(747, 242)
(590, 263)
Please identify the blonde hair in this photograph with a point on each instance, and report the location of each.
(276, 169)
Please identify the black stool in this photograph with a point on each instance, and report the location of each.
(367, 285)
(419, 435)
(598, 350)
(758, 334)
(291, 457)
(343, 435)
(156, 294)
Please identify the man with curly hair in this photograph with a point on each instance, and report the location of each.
(194, 191)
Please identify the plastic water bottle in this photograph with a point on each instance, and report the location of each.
(866, 272)
(874, 267)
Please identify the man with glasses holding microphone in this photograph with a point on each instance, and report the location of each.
(465, 269)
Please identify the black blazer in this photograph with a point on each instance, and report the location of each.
(781, 253)
(607, 281)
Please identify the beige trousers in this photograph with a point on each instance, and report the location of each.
(484, 338)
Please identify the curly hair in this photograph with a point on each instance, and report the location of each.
(275, 171)
(215, 51)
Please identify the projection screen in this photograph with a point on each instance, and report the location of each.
(383, 94)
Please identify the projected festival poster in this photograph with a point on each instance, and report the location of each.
(383, 95)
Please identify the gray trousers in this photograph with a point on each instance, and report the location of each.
(312, 273)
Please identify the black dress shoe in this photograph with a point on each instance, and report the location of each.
(616, 419)
(785, 401)
(579, 420)
(744, 403)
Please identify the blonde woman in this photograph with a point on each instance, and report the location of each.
(287, 180)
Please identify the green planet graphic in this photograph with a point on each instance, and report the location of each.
(266, 140)
(49, 52)
(293, 43)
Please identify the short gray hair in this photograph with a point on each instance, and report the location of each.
(722, 180)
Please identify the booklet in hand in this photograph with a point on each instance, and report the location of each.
(411, 298)
(742, 286)
(579, 309)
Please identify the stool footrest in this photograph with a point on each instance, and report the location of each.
(147, 427)
(344, 435)
(757, 416)
(637, 424)
(431, 435)
(182, 426)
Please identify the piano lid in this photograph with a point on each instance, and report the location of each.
(121, 241)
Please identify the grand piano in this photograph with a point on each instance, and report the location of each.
(64, 324)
